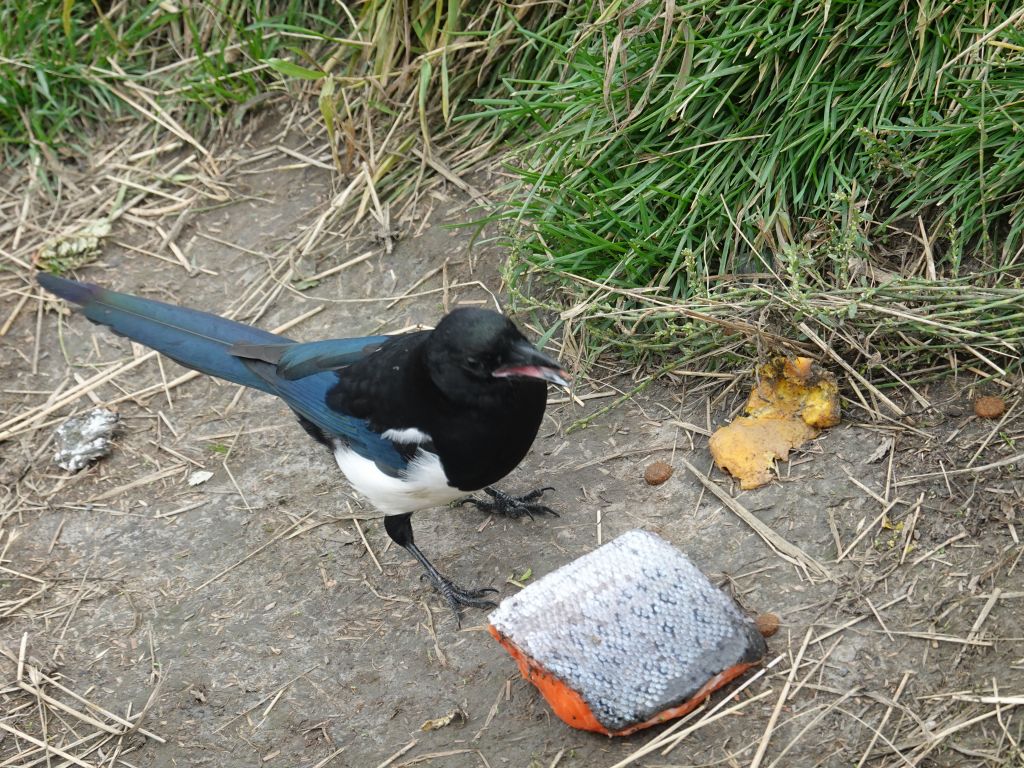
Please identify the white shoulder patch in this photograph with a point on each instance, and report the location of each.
(407, 436)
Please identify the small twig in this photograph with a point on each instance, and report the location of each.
(255, 552)
(343, 266)
(180, 510)
(397, 754)
(825, 711)
(975, 632)
(782, 547)
(276, 692)
(441, 658)
(867, 529)
(878, 618)
(885, 719)
(369, 550)
(858, 619)
(15, 312)
(1011, 701)
(151, 478)
(774, 718)
(48, 747)
(936, 739)
(939, 638)
(913, 479)
(618, 455)
(933, 550)
(492, 712)
(909, 530)
(849, 369)
(331, 756)
(407, 293)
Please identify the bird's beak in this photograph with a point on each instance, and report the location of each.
(525, 362)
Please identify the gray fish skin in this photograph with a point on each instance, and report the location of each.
(634, 627)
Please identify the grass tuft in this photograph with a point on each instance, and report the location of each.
(778, 160)
(739, 132)
(69, 66)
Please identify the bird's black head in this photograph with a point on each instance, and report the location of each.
(476, 349)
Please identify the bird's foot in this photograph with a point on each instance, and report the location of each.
(507, 505)
(400, 531)
(456, 596)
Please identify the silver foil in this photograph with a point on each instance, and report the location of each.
(86, 438)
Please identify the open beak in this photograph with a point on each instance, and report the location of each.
(525, 362)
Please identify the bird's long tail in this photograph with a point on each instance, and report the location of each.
(195, 339)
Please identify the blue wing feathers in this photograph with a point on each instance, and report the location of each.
(204, 342)
(308, 398)
(315, 356)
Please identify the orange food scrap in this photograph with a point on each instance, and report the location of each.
(767, 623)
(989, 407)
(657, 473)
(793, 401)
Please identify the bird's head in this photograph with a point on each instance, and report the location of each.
(477, 347)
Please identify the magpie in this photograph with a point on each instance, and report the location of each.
(414, 420)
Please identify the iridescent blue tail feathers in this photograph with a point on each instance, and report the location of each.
(238, 353)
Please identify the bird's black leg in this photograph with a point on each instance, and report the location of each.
(512, 506)
(399, 528)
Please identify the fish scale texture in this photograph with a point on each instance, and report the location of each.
(634, 627)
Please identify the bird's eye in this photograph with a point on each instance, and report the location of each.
(475, 364)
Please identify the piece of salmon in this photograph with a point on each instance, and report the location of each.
(627, 636)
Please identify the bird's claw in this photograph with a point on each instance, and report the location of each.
(510, 506)
(456, 597)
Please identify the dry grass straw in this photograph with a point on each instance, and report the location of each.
(271, 697)
(783, 548)
(774, 717)
(47, 719)
(889, 338)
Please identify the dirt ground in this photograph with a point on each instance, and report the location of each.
(260, 617)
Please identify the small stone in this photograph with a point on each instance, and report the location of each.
(767, 624)
(989, 407)
(657, 473)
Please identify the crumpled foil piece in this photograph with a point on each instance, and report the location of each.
(86, 438)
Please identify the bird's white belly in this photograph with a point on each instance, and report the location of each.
(423, 484)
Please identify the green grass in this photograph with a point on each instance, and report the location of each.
(754, 159)
(738, 132)
(68, 67)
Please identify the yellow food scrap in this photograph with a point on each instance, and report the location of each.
(793, 401)
(456, 716)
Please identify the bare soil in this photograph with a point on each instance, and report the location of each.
(250, 620)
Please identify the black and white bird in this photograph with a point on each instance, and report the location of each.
(414, 421)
